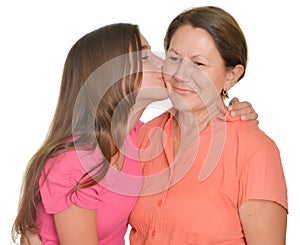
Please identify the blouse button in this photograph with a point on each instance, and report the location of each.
(153, 233)
(159, 202)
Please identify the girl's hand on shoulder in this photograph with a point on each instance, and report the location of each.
(30, 238)
(243, 109)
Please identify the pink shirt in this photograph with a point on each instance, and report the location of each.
(113, 198)
(195, 199)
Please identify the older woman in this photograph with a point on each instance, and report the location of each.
(210, 178)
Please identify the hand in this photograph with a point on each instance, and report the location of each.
(30, 238)
(243, 109)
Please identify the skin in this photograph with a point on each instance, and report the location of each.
(152, 87)
(199, 51)
(77, 226)
(243, 110)
(264, 222)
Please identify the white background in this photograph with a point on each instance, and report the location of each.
(37, 35)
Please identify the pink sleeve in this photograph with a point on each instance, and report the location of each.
(59, 177)
(138, 125)
(263, 176)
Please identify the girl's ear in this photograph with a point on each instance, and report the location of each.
(233, 76)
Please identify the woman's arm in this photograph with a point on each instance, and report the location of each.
(264, 222)
(76, 226)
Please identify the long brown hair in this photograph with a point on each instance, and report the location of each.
(87, 124)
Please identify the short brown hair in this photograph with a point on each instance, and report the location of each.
(225, 31)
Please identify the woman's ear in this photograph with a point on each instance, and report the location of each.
(233, 76)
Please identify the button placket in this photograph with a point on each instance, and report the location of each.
(159, 202)
(156, 219)
(158, 214)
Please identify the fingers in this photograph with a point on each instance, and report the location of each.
(252, 117)
(234, 101)
(237, 105)
(30, 238)
(244, 110)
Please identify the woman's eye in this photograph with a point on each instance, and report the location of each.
(145, 57)
(198, 63)
(173, 58)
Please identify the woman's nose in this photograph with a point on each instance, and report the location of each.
(184, 71)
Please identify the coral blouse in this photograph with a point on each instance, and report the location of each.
(113, 198)
(196, 199)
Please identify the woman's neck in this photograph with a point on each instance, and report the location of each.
(189, 124)
(198, 119)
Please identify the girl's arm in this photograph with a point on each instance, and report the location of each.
(76, 226)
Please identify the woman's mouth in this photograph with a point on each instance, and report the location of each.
(182, 91)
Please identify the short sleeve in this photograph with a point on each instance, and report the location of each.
(138, 126)
(262, 175)
(58, 179)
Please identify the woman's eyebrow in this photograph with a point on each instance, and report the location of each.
(194, 56)
(173, 50)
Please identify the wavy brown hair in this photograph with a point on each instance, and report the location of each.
(101, 70)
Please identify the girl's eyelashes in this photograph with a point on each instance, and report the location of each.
(146, 54)
(145, 57)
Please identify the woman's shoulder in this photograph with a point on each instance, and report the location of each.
(250, 140)
(251, 133)
(158, 121)
(148, 129)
